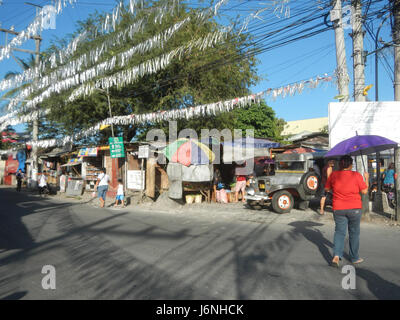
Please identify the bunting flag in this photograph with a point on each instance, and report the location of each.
(118, 79)
(58, 59)
(32, 30)
(14, 119)
(211, 109)
(366, 89)
(68, 75)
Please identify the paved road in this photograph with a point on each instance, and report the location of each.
(110, 254)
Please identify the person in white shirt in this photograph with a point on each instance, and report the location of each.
(102, 183)
(120, 194)
(42, 182)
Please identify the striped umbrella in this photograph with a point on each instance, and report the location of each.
(189, 151)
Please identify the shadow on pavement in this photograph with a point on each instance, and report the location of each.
(15, 296)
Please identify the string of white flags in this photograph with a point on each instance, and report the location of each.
(57, 59)
(33, 28)
(121, 78)
(211, 109)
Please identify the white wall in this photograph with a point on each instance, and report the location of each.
(380, 118)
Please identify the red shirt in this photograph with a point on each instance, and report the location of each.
(346, 186)
(241, 178)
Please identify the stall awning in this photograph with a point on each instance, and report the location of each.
(243, 149)
(70, 164)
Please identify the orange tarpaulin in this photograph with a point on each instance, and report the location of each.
(299, 150)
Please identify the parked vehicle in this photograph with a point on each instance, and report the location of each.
(295, 181)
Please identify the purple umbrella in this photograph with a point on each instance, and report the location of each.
(361, 145)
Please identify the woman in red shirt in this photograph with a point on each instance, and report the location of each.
(347, 207)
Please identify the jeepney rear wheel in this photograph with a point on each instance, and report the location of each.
(310, 182)
(282, 201)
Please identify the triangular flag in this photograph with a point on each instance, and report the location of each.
(104, 126)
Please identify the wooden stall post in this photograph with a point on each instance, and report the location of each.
(151, 177)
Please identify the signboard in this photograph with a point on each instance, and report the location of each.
(117, 147)
(135, 179)
(366, 118)
(144, 152)
(74, 187)
(87, 152)
(74, 161)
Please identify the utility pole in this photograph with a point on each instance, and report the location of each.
(341, 70)
(396, 41)
(35, 129)
(358, 52)
(359, 81)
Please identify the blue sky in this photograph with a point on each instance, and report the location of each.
(300, 60)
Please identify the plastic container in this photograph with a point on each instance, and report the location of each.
(189, 198)
(197, 198)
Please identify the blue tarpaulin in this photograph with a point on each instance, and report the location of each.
(250, 142)
(21, 157)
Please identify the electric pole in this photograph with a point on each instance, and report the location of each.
(359, 82)
(358, 52)
(341, 70)
(396, 41)
(35, 128)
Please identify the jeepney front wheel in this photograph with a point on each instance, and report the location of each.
(282, 201)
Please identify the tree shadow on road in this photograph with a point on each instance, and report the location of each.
(379, 287)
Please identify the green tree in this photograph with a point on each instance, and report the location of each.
(262, 119)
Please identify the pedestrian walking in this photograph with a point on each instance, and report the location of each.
(346, 186)
(326, 172)
(102, 183)
(20, 176)
(120, 194)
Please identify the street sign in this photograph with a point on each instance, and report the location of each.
(117, 147)
(144, 152)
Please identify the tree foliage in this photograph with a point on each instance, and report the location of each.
(262, 119)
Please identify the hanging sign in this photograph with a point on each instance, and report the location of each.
(144, 152)
(117, 147)
(87, 152)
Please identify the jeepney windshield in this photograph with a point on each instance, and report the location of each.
(291, 166)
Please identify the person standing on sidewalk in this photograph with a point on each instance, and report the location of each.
(102, 183)
(120, 194)
(326, 172)
(346, 186)
(20, 176)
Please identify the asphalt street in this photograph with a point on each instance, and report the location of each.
(135, 254)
